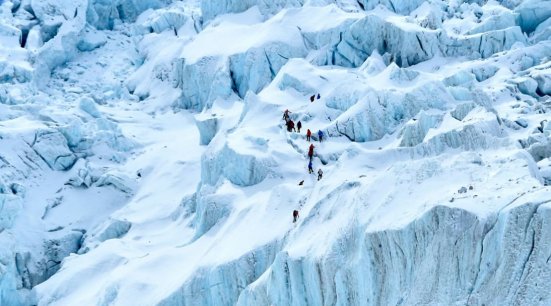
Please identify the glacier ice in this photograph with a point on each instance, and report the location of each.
(540, 149)
(532, 13)
(527, 85)
(60, 35)
(172, 18)
(373, 64)
(482, 263)
(117, 180)
(53, 148)
(10, 206)
(208, 127)
(379, 113)
(248, 71)
(91, 40)
(88, 105)
(203, 82)
(460, 93)
(112, 229)
(256, 68)
(483, 73)
(104, 14)
(400, 7)
(55, 250)
(414, 132)
(461, 78)
(543, 31)
(462, 110)
(407, 46)
(211, 9)
(242, 169)
(543, 78)
(498, 20)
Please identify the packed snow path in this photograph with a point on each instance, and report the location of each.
(142, 152)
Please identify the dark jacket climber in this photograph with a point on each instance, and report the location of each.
(320, 174)
(286, 115)
(295, 216)
(320, 135)
(292, 125)
(301, 183)
(319, 96)
(310, 169)
(311, 151)
(299, 126)
(312, 98)
(308, 134)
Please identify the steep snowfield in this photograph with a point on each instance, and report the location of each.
(144, 159)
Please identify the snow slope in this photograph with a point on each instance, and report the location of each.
(144, 159)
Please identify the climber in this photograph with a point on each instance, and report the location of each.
(292, 126)
(308, 134)
(311, 151)
(301, 183)
(312, 98)
(299, 126)
(295, 215)
(310, 169)
(320, 174)
(320, 135)
(286, 115)
(319, 96)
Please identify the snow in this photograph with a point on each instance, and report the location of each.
(143, 152)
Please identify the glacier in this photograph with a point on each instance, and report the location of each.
(144, 159)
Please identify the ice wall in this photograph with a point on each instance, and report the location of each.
(503, 253)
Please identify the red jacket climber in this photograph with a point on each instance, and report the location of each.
(311, 151)
(308, 134)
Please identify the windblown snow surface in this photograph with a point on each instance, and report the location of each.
(144, 158)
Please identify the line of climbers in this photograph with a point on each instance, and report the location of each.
(290, 124)
(314, 97)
